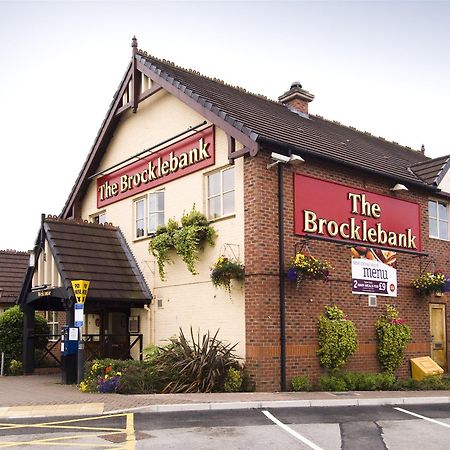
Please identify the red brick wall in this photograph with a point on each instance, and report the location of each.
(304, 305)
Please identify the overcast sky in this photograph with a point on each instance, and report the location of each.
(382, 67)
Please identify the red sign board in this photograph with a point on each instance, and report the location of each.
(336, 211)
(181, 158)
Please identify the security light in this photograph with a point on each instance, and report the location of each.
(278, 158)
(399, 187)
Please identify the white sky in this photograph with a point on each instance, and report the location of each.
(382, 67)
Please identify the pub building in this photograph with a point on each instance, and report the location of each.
(273, 180)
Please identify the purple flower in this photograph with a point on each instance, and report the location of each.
(292, 274)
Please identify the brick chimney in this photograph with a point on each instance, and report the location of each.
(296, 98)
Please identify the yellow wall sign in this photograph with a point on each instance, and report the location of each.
(80, 289)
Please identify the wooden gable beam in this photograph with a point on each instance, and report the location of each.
(249, 144)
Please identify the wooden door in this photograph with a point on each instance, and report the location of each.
(438, 334)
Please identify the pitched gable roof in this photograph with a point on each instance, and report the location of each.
(255, 120)
(432, 171)
(13, 266)
(100, 254)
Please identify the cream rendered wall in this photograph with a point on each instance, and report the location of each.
(444, 185)
(187, 300)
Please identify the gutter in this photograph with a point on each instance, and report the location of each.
(292, 148)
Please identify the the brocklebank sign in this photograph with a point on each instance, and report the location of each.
(342, 212)
(179, 159)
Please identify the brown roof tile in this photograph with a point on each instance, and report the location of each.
(13, 266)
(98, 253)
(433, 170)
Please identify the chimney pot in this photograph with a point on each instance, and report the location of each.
(296, 98)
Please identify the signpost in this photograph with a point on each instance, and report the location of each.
(80, 290)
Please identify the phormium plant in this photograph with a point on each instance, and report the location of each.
(337, 338)
(393, 335)
(199, 365)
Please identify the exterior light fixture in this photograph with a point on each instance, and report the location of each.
(399, 187)
(278, 158)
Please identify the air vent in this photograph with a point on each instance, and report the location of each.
(372, 300)
(159, 302)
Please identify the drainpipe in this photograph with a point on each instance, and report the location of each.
(281, 279)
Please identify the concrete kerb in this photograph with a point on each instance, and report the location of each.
(283, 404)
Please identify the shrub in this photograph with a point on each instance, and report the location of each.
(353, 381)
(233, 381)
(199, 366)
(121, 376)
(393, 335)
(337, 338)
(186, 240)
(15, 367)
(11, 332)
(300, 383)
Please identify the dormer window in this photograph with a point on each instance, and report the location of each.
(438, 212)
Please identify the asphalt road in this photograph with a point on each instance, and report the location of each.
(326, 428)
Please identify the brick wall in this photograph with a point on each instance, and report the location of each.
(304, 305)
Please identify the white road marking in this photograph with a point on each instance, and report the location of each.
(291, 431)
(423, 417)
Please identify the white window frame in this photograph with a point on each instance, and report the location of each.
(221, 193)
(156, 211)
(52, 323)
(96, 218)
(144, 217)
(439, 219)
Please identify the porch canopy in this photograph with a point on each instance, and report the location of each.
(69, 250)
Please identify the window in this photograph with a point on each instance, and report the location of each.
(99, 218)
(221, 193)
(148, 213)
(139, 207)
(438, 219)
(155, 211)
(52, 319)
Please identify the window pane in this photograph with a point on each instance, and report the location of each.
(140, 209)
(443, 229)
(228, 203)
(214, 184)
(228, 180)
(152, 202)
(102, 218)
(140, 228)
(160, 201)
(214, 207)
(442, 210)
(433, 228)
(432, 209)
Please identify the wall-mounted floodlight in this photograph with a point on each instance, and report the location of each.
(278, 158)
(399, 187)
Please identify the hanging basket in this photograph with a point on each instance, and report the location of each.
(224, 270)
(308, 267)
(429, 283)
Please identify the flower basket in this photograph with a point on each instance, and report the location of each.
(224, 270)
(307, 267)
(429, 283)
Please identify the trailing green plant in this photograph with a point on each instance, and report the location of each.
(200, 365)
(393, 335)
(224, 270)
(186, 240)
(11, 332)
(429, 283)
(337, 338)
(233, 381)
(300, 383)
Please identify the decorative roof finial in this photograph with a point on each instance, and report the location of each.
(422, 149)
(134, 42)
